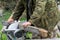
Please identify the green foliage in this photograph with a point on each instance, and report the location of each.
(29, 35)
(0, 26)
(6, 14)
(2, 36)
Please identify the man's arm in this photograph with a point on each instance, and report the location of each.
(38, 12)
(17, 11)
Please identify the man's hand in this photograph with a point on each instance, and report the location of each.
(26, 24)
(10, 20)
(43, 33)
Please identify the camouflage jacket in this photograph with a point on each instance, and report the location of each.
(45, 14)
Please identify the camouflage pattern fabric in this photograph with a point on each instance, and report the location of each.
(45, 15)
(20, 7)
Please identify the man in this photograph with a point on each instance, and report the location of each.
(44, 16)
